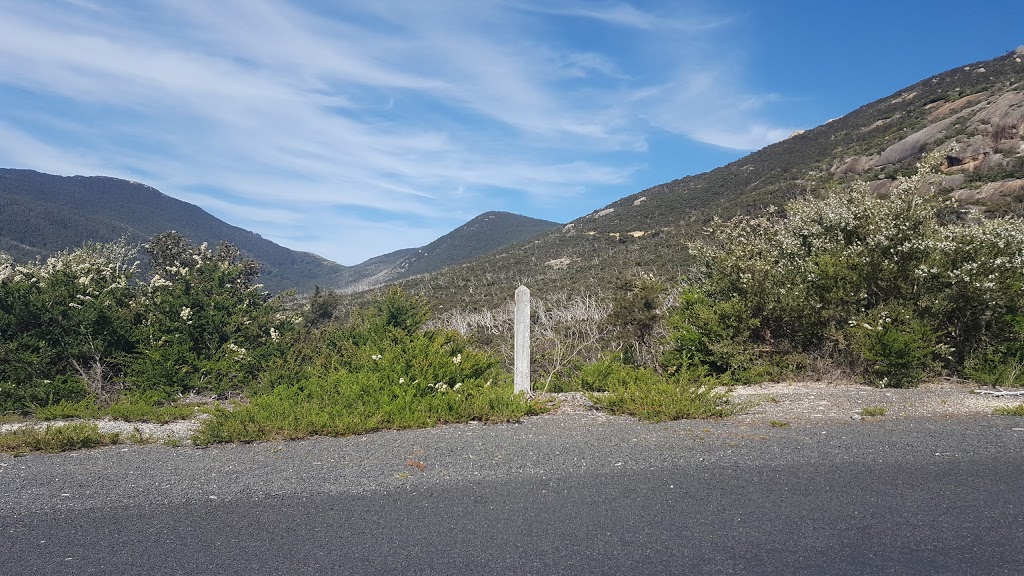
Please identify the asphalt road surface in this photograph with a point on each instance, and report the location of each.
(567, 494)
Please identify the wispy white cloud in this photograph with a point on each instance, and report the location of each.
(627, 15)
(418, 113)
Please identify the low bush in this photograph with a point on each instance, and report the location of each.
(62, 438)
(718, 335)
(896, 349)
(347, 403)
(1000, 363)
(625, 389)
(136, 407)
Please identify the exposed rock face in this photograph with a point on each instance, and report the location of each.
(943, 110)
(969, 155)
(1004, 118)
(855, 165)
(912, 145)
(991, 192)
(880, 187)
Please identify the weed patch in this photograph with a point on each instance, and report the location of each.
(1017, 410)
(873, 411)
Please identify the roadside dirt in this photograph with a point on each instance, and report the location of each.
(810, 402)
(792, 403)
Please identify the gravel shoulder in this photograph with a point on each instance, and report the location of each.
(793, 403)
(809, 402)
(942, 421)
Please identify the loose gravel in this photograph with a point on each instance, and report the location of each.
(941, 421)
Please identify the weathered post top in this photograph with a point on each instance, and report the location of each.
(522, 340)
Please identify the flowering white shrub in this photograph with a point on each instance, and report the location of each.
(202, 321)
(79, 324)
(64, 323)
(821, 266)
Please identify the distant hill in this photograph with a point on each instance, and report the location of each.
(481, 235)
(41, 214)
(977, 110)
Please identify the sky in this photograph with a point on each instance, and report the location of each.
(353, 128)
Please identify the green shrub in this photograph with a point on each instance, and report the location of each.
(625, 389)
(1017, 410)
(897, 350)
(717, 334)
(85, 408)
(996, 371)
(809, 275)
(132, 407)
(64, 325)
(381, 370)
(1001, 363)
(636, 316)
(203, 324)
(23, 397)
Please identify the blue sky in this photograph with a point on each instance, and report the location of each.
(354, 128)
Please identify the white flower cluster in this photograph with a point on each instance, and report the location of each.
(7, 267)
(239, 352)
(95, 268)
(444, 387)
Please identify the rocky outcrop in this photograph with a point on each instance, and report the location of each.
(912, 145)
(1002, 120)
(992, 191)
(855, 165)
(943, 109)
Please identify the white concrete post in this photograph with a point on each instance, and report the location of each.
(522, 337)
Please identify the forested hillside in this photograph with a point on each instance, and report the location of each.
(41, 214)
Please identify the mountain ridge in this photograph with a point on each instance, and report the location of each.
(43, 213)
(483, 234)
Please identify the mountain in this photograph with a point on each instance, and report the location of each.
(481, 235)
(977, 111)
(41, 214)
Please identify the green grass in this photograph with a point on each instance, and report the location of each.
(74, 436)
(873, 411)
(1017, 410)
(128, 409)
(778, 424)
(345, 404)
